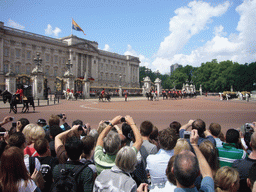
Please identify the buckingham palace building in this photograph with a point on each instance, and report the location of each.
(18, 50)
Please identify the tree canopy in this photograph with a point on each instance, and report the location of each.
(214, 76)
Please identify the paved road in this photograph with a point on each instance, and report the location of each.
(229, 114)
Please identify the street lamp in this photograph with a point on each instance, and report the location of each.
(38, 60)
(69, 65)
(120, 78)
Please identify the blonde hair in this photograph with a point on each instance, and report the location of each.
(33, 132)
(181, 145)
(225, 177)
(211, 154)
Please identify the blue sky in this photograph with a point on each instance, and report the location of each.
(159, 32)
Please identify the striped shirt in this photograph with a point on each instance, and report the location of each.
(228, 153)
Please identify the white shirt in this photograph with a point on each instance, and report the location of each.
(157, 164)
(31, 186)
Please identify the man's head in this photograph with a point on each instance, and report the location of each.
(74, 147)
(55, 130)
(21, 123)
(252, 176)
(112, 143)
(17, 139)
(77, 122)
(199, 125)
(232, 136)
(253, 141)
(42, 146)
(41, 122)
(215, 129)
(186, 168)
(54, 120)
(167, 139)
(176, 126)
(127, 131)
(146, 128)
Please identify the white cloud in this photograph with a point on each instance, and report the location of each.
(188, 21)
(144, 61)
(193, 19)
(218, 31)
(107, 48)
(14, 24)
(49, 31)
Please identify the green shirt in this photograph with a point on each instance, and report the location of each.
(228, 153)
(103, 160)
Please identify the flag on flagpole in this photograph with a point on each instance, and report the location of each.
(76, 27)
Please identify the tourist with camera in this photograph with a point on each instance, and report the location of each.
(243, 165)
(111, 142)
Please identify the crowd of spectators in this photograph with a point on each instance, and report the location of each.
(122, 156)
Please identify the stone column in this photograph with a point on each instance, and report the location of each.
(157, 83)
(147, 84)
(120, 91)
(38, 83)
(10, 82)
(201, 90)
(86, 89)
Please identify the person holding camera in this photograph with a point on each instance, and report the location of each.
(111, 142)
(243, 165)
(199, 125)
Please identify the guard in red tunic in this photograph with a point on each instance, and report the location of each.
(103, 92)
(125, 95)
(68, 90)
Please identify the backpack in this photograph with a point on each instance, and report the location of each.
(32, 165)
(67, 179)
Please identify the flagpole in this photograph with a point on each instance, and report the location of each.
(71, 26)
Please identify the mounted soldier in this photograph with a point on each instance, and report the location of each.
(19, 94)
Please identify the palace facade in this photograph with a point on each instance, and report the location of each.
(19, 48)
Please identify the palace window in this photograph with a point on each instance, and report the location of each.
(47, 57)
(17, 53)
(28, 54)
(27, 69)
(6, 68)
(17, 69)
(6, 52)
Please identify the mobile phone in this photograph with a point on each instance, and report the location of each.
(2, 133)
(186, 134)
(11, 118)
(14, 124)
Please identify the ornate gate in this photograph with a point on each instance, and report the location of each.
(58, 86)
(78, 85)
(23, 82)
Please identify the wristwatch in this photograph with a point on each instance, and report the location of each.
(110, 124)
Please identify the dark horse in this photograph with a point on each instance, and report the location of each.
(149, 95)
(14, 100)
(105, 95)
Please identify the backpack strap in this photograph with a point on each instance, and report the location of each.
(32, 165)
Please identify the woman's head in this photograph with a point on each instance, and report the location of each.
(12, 168)
(126, 159)
(169, 173)
(33, 132)
(227, 179)
(210, 153)
(181, 145)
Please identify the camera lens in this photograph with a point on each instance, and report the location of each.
(122, 119)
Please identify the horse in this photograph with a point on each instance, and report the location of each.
(68, 95)
(105, 95)
(164, 95)
(149, 95)
(14, 100)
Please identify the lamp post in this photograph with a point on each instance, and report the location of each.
(120, 80)
(69, 65)
(120, 86)
(38, 61)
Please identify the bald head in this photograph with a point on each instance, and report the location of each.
(186, 168)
